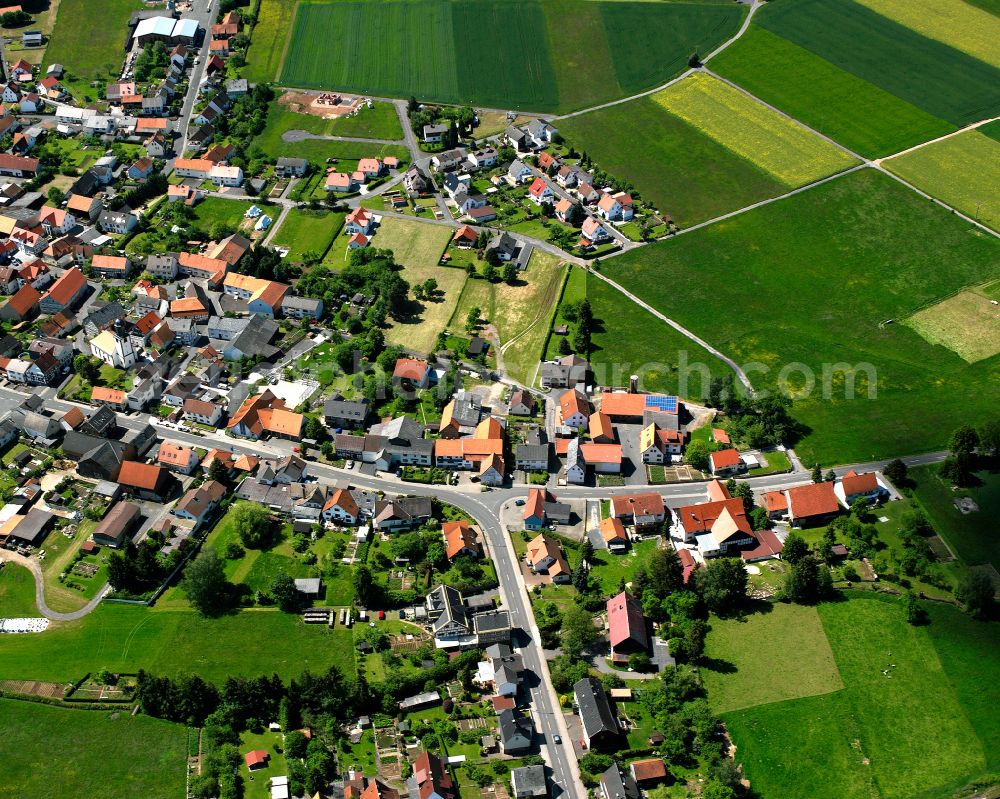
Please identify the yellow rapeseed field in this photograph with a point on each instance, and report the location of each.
(789, 152)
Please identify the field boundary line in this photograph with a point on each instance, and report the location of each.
(611, 104)
(786, 116)
(288, 41)
(942, 203)
(966, 129)
(680, 329)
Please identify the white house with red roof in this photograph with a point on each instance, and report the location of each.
(540, 191)
(853, 486)
(725, 462)
(626, 625)
(616, 207)
(360, 220)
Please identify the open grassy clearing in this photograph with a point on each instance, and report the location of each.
(954, 22)
(523, 55)
(942, 81)
(520, 311)
(778, 653)
(270, 36)
(47, 749)
(215, 210)
(89, 51)
(127, 638)
(964, 171)
(993, 6)
(891, 671)
(875, 251)
(852, 111)
(17, 592)
(412, 243)
(966, 323)
(308, 231)
(786, 151)
(378, 122)
(971, 536)
(427, 318)
(676, 167)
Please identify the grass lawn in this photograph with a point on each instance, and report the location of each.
(973, 536)
(89, 51)
(891, 671)
(256, 784)
(17, 592)
(780, 652)
(127, 638)
(786, 151)
(214, 210)
(426, 318)
(610, 569)
(673, 165)
(304, 231)
(844, 230)
(940, 80)
(520, 312)
(76, 590)
(100, 756)
(414, 244)
(269, 40)
(526, 55)
(849, 109)
(964, 171)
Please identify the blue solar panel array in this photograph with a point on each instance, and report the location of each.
(661, 403)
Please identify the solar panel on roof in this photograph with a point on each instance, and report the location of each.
(661, 403)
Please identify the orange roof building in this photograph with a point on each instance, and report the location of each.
(460, 539)
(265, 414)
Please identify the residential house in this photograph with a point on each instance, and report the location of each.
(575, 410)
(720, 526)
(403, 513)
(518, 172)
(725, 462)
(516, 731)
(111, 266)
(565, 372)
(177, 458)
(660, 446)
(448, 160)
(642, 511)
(600, 726)
(345, 414)
(291, 167)
(460, 538)
(265, 415)
(617, 783)
(197, 504)
(865, 486)
(541, 132)
(627, 628)
(613, 532)
(522, 403)
(120, 221)
(432, 778)
(202, 412)
(145, 480)
(411, 373)
(545, 556)
(540, 191)
(528, 782)
(341, 508)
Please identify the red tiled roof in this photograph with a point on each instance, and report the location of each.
(67, 286)
(140, 475)
(648, 504)
(652, 769)
(817, 499)
(410, 369)
(855, 483)
(724, 458)
(720, 435)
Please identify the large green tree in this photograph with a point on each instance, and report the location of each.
(723, 584)
(206, 585)
(254, 525)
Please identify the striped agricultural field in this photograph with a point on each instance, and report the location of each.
(785, 150)
(954, 22)
(850, 110)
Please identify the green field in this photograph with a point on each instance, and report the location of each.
(963, 171)
(850, 110)
(786, 151)
(785, 640)
(307, 231)
(89, 51)
(967, 323)
(810, 280)
(934, 77)
(17, 592)
(908, 722)
(629, 340)
(953, 22)
(51, 752)
(971, 536)
(672, 164)
(170, 642)
(492, 53)
(267, 45)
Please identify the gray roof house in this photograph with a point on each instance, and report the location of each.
(516, 731)
(350, 414)
(616, 783)
(528, 782)
(450, 622)
(600, 727)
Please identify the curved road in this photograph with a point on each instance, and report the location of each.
(36, 571)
